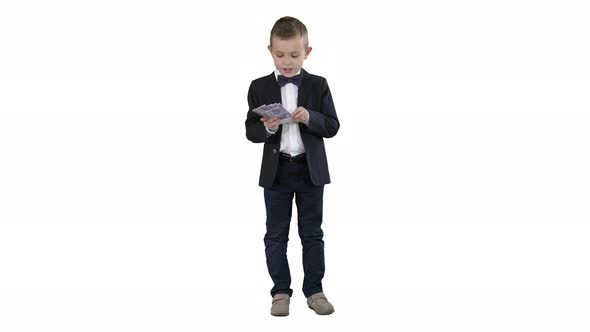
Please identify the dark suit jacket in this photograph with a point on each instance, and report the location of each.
(314, 95)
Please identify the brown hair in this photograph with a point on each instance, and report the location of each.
(289, 27)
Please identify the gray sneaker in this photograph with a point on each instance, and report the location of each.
(280, 305)
(319, 303)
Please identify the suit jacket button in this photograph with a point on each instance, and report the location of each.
(274, 150)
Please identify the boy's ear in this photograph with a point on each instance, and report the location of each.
(270, 49)
(307, 51)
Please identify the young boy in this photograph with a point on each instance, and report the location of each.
(294, 162)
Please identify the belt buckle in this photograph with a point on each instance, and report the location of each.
(289, 158)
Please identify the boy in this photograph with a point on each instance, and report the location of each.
(294, 162)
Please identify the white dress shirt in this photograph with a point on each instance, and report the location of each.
(290, 137)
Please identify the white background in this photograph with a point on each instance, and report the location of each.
(460, 192)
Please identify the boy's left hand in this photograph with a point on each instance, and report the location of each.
(300, 115)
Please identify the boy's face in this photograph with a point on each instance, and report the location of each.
(288, 54)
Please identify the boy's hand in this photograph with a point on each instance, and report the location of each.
(271, 123)
(300, 115)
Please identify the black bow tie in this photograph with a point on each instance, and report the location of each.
(284, 80)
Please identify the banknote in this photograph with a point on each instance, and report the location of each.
(275, 110)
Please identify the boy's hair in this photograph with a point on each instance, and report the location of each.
(289, 27)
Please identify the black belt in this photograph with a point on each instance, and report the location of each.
(287, 158)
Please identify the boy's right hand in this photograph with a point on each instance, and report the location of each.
(271, 124)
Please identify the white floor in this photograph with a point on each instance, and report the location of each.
(460, 186)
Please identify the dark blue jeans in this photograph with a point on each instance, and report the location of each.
(293, 180)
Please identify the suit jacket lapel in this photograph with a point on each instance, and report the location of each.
(274, 94)
(303, 91)
(273, 88)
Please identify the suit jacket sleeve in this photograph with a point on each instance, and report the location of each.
(324, 123)
(255, 130)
